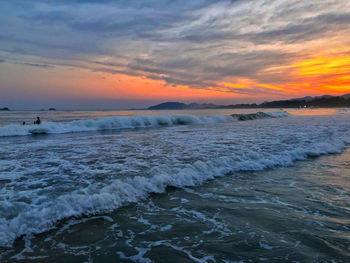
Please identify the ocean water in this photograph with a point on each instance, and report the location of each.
(176, 186)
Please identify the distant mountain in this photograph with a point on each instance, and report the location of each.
(181, 106)
(201, 106)
(307, 98)
(325, 101)
(169, 106)
(4, 109)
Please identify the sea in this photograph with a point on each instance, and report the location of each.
(175, 186)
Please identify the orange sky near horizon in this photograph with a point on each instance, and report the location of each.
(140, 52)
(317, 76)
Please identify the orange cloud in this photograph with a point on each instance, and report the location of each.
(324, 66)
(319, 75)
(325, 74)
(250, 85)
(316, 76)
(121, 86)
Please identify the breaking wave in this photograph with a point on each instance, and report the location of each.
(72, 190)
(123, 122)
(95, 199)
(259, 115)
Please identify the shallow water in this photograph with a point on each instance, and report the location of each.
(135, 195)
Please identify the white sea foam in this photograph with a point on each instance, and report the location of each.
(58, 178)
(278, 114)
(117, 123)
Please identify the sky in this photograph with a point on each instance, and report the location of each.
(104, 54)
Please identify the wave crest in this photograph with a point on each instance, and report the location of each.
(122, 122)
(259, 115)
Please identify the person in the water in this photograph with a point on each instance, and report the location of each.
(23, 123)
(38, 121)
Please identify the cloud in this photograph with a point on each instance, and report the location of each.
(34, 65)
(306, 30)
(193, 43)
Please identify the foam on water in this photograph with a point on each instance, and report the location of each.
(76, 177)
(118, 123)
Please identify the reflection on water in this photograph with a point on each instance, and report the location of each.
(317, 111)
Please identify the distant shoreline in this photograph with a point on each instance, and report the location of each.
(326, 101)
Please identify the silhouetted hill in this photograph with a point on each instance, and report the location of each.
(169, 106)
(4, 109)
(201, 106)
(238, 106)
(325, 101)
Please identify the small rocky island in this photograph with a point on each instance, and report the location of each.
(4, 109)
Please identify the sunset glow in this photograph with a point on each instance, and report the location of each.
(217, 52)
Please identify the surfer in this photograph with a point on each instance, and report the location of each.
(23, 123)
(38, 121)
